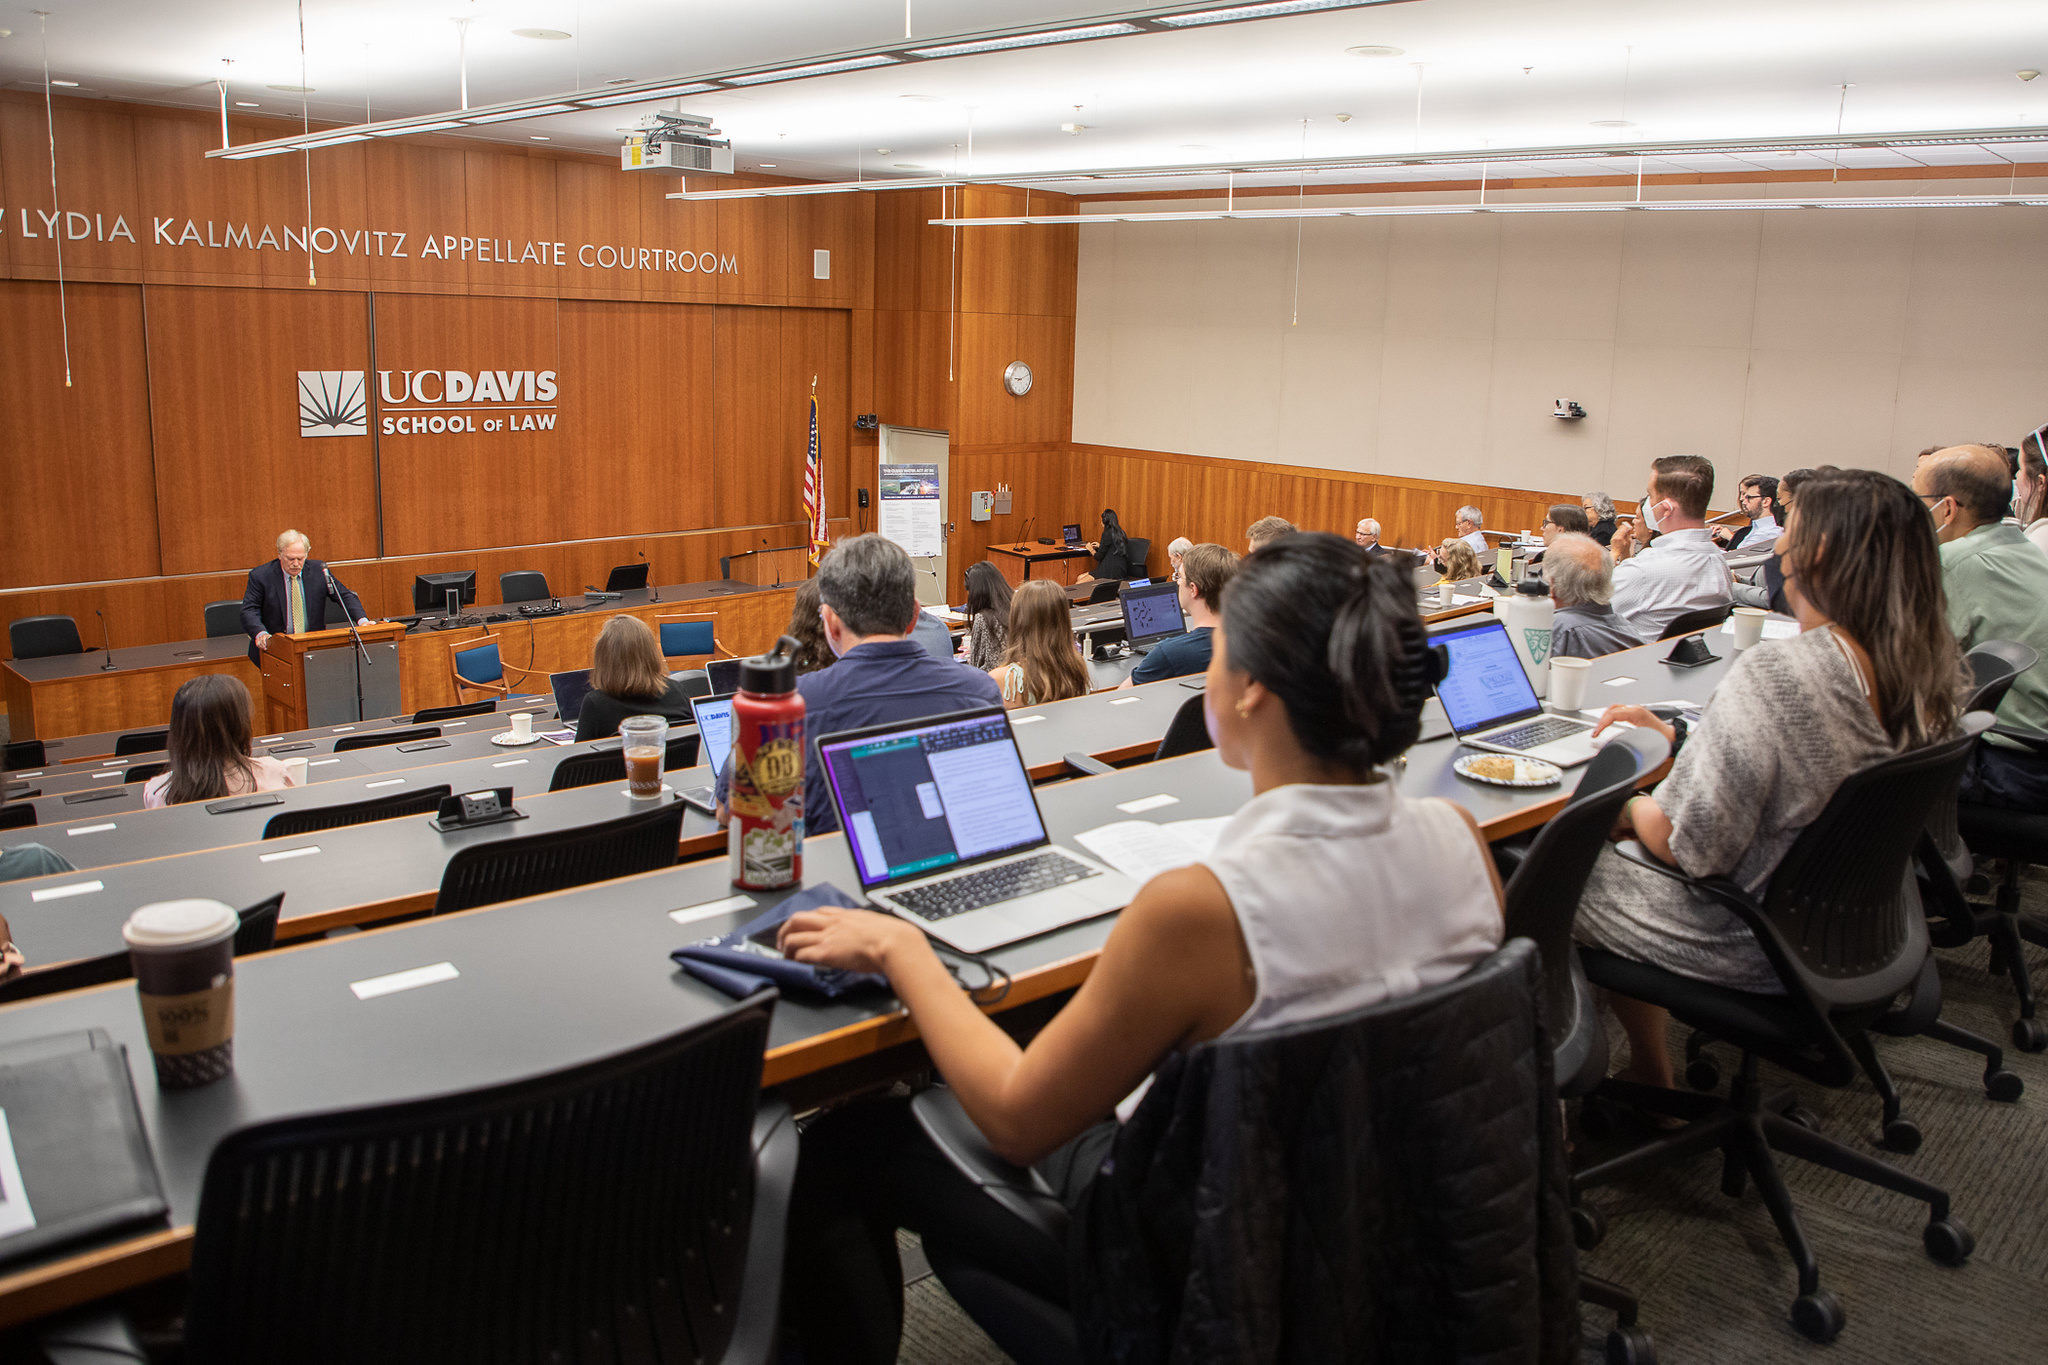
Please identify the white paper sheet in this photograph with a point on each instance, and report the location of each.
(1142, 850)
(1773, 630)
(15, 1213)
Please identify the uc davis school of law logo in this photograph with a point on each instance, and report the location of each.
(331, 403)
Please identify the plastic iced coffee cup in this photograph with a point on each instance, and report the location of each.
(644, 740)
(183, 953)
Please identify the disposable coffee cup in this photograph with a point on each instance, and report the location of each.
(1749, 626)
(522, 725)
(295, 771)
(183, 953)
(1568, 682)
(644, 740)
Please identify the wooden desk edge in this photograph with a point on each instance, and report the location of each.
(57, 1285)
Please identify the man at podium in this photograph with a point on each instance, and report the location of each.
(290, 594)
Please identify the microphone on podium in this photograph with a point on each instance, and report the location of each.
(653, 593)
(1024, 537)
(107, 636)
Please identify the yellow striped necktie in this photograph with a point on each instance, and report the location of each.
(298, 603)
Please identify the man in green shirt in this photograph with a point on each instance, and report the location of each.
(1997, 582)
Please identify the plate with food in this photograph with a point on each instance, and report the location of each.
(1508, 770)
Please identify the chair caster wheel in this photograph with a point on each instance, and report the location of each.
(2003, 1086)
(1702, 1074)
(1589, 1226)
(1818, 1316)
(1948, 1241)
(1630, 1346)
(1810, 1121)
(2028, 1035)
(1901, 1135)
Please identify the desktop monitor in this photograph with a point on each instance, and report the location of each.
(1151, 613)
(430, 590)
(627, 578)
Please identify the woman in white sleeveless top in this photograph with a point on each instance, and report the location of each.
(1326, 892)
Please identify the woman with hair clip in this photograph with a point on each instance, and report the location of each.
(1321, 894)
(1873, 672)
(208, 747)
(988, 615)
(1040, 663)
(2030, 487)
(813, 651)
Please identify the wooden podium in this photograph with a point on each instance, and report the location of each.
(317, 677)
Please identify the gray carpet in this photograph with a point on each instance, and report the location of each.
(1714, 1280)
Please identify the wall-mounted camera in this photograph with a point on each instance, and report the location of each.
(1567, 411)
(866, 421)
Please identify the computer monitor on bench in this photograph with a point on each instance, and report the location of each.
(430, 590)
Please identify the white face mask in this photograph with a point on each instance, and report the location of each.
(1648, 510)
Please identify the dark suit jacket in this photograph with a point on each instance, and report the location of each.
(266, 602)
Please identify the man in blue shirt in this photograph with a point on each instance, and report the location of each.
(869, 608)
(1205, 571)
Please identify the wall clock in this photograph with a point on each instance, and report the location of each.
(1017, 378)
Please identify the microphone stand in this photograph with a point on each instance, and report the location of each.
(356, 635)
(106, 636)
(653, 593)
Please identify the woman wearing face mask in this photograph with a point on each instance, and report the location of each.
(1324, 888)
(2030, 489)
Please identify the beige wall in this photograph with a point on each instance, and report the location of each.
(1433, 347)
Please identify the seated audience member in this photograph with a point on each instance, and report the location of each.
(1204, 574)
(988, 615)
(1564, 519)
(1180, 546)
(1684, 571)
(868, 592)
(208, 747)
(2030, 504)
(628, 677)
(1456, 561)
(1467, 527)
(1315, 683)
(1599, 510)
(1112, 552)
(1873, 672)
(1266, 530)
(1766, 587)
(933, 637)
(1367, 536)
(1041, 662)
(812, 653)
(1581, 580)
(26, 860)
(1997, 585)
(11, 960)
(1758, 500)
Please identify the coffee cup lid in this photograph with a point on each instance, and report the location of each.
(173, 924)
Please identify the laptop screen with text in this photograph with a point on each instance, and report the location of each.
(923, 797)
(714, 730)
(1152, 612)
(1485, 684)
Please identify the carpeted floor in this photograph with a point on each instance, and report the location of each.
(1714, 1280)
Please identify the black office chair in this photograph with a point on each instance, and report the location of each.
(223, 617)
(2020, 837)
(21, 816)
(424, 801)
(1187, 732)
(628, 1208)
(142, 742)
(523, 585)
(609, 765)
(377, 739)
(1542, 901)
(142, 772)
(696, 682)
(38, 637)
(1695, 622)
(1105, 591)
(462, 712)
(257, 933)
(23, 753)
(1136, 550)
(1168, 1204)
(1841, 924)
(506, 869)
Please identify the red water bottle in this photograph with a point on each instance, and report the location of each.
(766, 789)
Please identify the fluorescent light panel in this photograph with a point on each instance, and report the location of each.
(798, 73)
(1061, 35)
(1278, 9)
(644, 96)
(1444, 210)
(524, 111)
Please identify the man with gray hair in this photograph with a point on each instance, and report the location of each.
(1367, 534)
(868, 606)
(1469, 521)
(291, 593)
(1581, 580)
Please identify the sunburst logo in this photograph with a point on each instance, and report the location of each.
(331, 403)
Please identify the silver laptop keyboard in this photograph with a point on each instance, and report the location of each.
(1537, 732)
(1003, 882)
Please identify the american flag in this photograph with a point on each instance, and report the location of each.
(814, 491)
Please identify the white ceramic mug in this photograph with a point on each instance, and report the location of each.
(1568, 682)
(1749, 626)
(522, 725)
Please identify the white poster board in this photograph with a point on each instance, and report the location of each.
(910, 508)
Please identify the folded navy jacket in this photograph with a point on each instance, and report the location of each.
(743, 961)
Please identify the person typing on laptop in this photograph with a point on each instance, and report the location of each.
(1326, 892)
(867, 591)
(1205, 571)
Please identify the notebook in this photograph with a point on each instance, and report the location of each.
(945, 832)
(1491, 705)
(714, 742)
(570, 689)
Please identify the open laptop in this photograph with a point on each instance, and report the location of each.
(714, 742)
(570, 689)
(1070, 534)
(1490, 704)
(724, 675)
(945, 832)
(1151, 613)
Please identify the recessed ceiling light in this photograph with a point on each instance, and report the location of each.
(69, 85)
(2022, 75)
(1376, 50)
(766, 166)
(546, 35)
(883, 151)
(538, 137)
(245, 104)
(620, 80)
(291, 89)
(1612, 123)
(909, 166)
